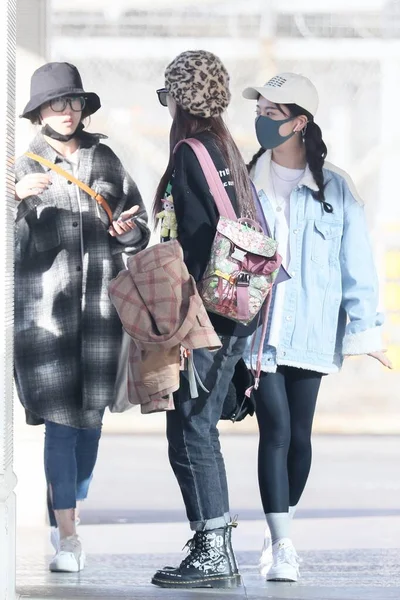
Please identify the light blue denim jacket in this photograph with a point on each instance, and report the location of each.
(330, 303)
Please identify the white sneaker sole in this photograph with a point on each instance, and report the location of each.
(66, 562)
(283, 573)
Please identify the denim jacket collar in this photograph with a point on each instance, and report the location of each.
(262, 180)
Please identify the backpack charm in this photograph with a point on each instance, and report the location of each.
(169, 227)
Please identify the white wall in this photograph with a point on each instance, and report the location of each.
(7, 477)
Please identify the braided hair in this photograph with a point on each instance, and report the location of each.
(255, 158)
(316, 152)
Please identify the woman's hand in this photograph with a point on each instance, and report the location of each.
(31, 185)
(124, 223)
(383, 359)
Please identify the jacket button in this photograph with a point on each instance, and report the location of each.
(79, 268)
(293, 273)
(295, 231)
(288, 318)
(75, 224)
(69, 182)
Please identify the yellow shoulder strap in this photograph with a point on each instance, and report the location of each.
(99, 199)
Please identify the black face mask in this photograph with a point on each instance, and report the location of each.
(54, 135)
(267, 131)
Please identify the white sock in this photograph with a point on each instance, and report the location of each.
(279, 525)
(292, 511)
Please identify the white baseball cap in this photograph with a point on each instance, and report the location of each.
(287, 88)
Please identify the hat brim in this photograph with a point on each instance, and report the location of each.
(93, 102)
(276, 95)
(251, 93)
(272, 94)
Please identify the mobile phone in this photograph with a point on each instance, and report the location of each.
(127, 220)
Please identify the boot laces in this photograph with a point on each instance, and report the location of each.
(198, 548)
(194, 550)
(190, 544)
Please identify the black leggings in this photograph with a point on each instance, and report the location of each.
(285, 405)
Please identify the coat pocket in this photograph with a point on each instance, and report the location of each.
(326, 241)
(110, 191)
(45, 233)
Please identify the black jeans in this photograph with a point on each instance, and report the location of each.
(285, 406)
(193, 438)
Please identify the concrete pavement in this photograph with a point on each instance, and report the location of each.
(347, 530)
(329, 574)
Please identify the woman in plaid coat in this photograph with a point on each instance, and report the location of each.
(67, 333)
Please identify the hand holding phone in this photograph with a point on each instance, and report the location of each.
(124, 223)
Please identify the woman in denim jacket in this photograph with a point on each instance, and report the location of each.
(325, 311)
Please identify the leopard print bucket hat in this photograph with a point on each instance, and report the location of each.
(198, 81)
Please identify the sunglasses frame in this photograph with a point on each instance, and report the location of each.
(68, 100)
(162, 92)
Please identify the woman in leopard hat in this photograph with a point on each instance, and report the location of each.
(197, 93)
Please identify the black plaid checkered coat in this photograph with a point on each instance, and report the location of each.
(67, 333)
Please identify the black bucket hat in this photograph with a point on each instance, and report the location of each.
(55, 80)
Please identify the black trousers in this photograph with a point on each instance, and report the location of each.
(285, 406)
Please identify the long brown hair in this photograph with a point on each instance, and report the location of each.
(184, 126)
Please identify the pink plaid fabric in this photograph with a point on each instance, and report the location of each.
(160, 308)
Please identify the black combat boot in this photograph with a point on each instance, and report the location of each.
(208, 564)
(229, 550)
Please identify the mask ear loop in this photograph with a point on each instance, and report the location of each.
(303, 131)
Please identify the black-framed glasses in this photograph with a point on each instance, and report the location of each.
(77, 103)
(162, 96)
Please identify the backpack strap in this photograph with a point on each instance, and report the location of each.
(260, 212)
(213, 179)
(99, 199)
(257, 372)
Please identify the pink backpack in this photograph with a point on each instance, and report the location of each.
(243, 263)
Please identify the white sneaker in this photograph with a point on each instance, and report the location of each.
(55, 536)
(266, 555)
(70, 558)
(285, 566)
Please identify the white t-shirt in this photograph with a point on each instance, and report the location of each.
(283, 181)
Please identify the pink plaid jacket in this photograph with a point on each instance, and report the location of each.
(161, 310)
